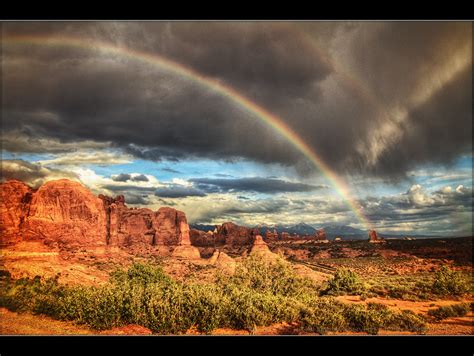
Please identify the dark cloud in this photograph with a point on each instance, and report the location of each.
(335, 84)
(254, 184)
(140, 178)
(124, 188)
(136, 199)
(124, 177)
(178, 191)
(33, 174)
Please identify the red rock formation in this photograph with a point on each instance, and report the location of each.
(271, 236)
(260, 247)
(15, 199)
(65, 212)
(321, 235)
(223, 261)
(205, 239)
(233, 234)
(373, 237)
(143, 226)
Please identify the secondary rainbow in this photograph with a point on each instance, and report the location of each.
(217, 86)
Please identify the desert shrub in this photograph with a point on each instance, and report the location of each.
(247, 308)
(206, 305)
(328, 314)
(34, 295)
(406, 320)
(47, 297)
(369, 318)
(323, 315)
(19, 295)
(344, 281)
(259, 294)
(98, 307)
(276, 277)
(449, 311)
(143, 274)
(166, 310)
(449, 282)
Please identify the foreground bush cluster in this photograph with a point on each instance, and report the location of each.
(260, 293)
(448, 311)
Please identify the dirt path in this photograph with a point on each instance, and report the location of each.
(28, 324)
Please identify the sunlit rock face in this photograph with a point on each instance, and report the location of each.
(15, 198)
(65, 212)
(236, 235)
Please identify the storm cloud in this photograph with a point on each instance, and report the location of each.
(124, 177)
(370, 98)
(178, 191)
(252, 184)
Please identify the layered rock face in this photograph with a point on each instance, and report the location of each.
(373, 237)
(60, 211)
(226, 234)
(260, 247)
(271, 235)
(15, 198)
(236, 235)
(205, 239)
(63, 211)
(126, 227)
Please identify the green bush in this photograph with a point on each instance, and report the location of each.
(449, 282)
(369, 318)
(449, 311)
(142, 274)
(276, 277)
(344, 281)
(323, 315)
(33, 295)
(407, 320)
(260, 293)
(206, 306)
(247, 309)
(331, 315)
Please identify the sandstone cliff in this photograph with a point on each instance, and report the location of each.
(65, 212)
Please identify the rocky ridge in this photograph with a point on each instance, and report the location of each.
(65, 212)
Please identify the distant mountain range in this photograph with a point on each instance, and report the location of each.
(299, 229)
(332, 231)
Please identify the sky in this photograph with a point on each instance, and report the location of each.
(366, 124)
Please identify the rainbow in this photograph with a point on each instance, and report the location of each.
(217, 86)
